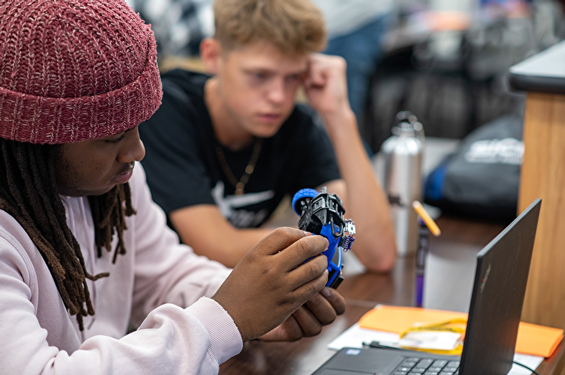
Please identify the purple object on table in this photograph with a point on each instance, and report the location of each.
(422, 252)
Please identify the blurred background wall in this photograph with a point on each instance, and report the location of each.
(444, 60)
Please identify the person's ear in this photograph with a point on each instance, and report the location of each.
(210, 52)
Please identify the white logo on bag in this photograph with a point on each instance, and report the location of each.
(229, 205)
(503, 151)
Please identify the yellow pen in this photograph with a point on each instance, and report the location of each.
(430, 223)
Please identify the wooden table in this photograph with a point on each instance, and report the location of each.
(542, 176)
(362, 292)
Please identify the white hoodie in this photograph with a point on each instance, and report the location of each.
(146, 285)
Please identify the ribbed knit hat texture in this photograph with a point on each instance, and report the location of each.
(72, 70)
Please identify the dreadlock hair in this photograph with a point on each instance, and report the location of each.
(28, 192)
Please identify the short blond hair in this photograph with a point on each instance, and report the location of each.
(295, 27)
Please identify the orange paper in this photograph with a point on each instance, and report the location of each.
(537, 340)
(532, 339)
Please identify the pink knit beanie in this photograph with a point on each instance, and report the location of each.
(72, 70)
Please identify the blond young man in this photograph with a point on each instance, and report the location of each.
(235, 143)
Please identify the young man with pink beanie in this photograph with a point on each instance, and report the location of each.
(84, 251)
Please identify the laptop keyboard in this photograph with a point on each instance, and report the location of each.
(425, 366)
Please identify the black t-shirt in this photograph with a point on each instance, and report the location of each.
(183, 169)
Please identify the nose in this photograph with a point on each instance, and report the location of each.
(133, 149)
(277, 92)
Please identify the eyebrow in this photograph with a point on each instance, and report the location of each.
(272, 71)
(303, 71)
(120, 134)
(255, 70)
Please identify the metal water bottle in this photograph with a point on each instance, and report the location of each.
(403, 179)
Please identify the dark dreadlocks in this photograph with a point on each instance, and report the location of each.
(28, 192)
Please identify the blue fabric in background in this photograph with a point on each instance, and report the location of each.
(362, 50)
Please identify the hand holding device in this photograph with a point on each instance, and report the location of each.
(275, 278)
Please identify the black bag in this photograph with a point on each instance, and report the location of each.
(482, 178)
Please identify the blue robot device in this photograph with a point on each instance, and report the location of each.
(322, 213)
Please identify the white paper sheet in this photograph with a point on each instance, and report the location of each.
(355, 336)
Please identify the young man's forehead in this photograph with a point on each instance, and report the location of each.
(265, 56)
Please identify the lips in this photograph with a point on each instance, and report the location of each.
(270, 117)
(124, 177)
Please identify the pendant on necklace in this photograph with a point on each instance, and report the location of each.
(239, 188)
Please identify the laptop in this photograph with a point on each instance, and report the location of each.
(492, 326)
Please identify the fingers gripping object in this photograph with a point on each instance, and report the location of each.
(322, 213)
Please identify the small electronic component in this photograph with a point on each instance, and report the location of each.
(322, 213)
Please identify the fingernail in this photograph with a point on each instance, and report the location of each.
(326, 291)
(307, 233)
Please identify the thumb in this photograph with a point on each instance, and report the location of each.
(278, 240)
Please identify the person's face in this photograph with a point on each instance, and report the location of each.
(94, 167)
(257, 84)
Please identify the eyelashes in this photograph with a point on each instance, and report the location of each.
(115, 140)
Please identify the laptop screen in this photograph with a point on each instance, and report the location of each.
(498, 295)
